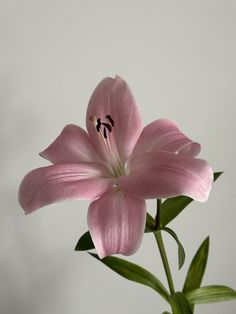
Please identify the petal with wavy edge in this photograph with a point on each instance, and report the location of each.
(116, 223)
(72, 145)
(164, 135)
(47, 185)
(113, 97)
(163, 174)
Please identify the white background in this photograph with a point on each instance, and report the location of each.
(179, 59)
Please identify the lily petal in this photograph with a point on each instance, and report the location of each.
(72, 145)
(164, 174)
(164, 135)
(112, 97)
(47, 185)
(116, 223)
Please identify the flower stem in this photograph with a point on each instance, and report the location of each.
(165, 262)
(162, 250)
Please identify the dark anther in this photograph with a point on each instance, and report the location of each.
(98, 124)
(107, 126)
(110, 119)
(105, 133)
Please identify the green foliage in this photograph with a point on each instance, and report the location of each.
(180, 304)
(172, 207)
(85, 242)
(210, 294)
(135, 273)
(193, 293)
(150, 223)
(197, 267)
(181, 252)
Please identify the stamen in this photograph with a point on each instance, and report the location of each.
(105, 133)
(107, 126)
(98, 124)
(110, 119)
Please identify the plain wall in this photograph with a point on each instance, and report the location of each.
(179, 60)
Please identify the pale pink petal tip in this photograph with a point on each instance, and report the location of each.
(164, 135)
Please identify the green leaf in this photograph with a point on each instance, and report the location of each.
(85, 242)
(150, 223)
(135, 273)
(217, 175)
(210, 294)
(172, 207)
(166, 312)
(181, 252)
(197, 267)
(180, 304)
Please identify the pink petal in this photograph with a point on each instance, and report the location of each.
(72, 145)
(164, 135)
(113, 97)
(116, 223)
(164, 174)
(47, 185)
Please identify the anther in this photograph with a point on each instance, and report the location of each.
(110, 119)
(105, 133)
(107, 126)
(98, 124)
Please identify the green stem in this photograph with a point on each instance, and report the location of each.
(165, 262)
(157, 218)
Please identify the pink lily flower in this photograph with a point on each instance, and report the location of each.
(117, 164)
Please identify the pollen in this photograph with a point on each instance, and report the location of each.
(92, 118)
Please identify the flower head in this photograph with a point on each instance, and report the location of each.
(117, 164)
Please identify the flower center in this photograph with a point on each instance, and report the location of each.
(105, 130)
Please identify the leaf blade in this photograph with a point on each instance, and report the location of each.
(85, 242)
(150, 224)
(181, 252)
(180, 304)
(211, 294)
(134, 273)
(197, 267)
(172, 207)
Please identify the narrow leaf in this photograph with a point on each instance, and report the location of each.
(166, 312)
(172, 207)
(85, 242)
(135, 273)
(210, 294)
(197, 267)
(181, 252)
(180, 304)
